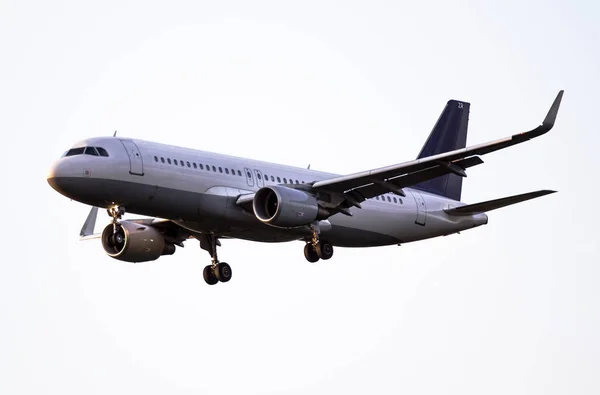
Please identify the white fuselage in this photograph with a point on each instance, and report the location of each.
(198, 190)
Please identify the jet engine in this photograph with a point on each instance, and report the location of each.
(135, 242)
(285, 207)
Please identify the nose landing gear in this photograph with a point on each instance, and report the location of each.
(117, 239)
(115, 212)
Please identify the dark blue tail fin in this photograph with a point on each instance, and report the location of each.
(448, 134)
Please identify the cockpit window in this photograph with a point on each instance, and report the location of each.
(95, 151)
(75, 151)
(91, 151)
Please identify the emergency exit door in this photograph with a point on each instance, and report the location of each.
(421, 208)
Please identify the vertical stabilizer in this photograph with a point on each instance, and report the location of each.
(448, 134)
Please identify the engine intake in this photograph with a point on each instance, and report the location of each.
(286, 207)
(135, 242)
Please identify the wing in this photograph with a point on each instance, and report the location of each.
(358, 187)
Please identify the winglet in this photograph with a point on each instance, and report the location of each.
(90, 223)
(551, 116)
(544, 127)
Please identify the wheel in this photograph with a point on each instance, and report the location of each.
(209, 275)
(310, 254)
(118, 238)
(326, 250)
(223, 272)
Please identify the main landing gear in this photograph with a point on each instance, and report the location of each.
(317, 249)
(217, 271)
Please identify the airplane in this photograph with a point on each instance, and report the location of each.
(193, 194)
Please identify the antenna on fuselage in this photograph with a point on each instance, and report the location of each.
(308, 166)
(115, 134)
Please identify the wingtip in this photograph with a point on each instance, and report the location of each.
(553, 112)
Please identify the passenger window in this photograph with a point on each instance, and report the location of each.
(188, 164)
(201, 166)
(175, 162)
(91, 151)
(156, 158)
(400, 200)
(297, 182)
(278, 179)
(258, 175)
(249, 174)
(226, 171)
(232, 172)
(181, 163)
(266, 177)
(169, 160)
(207, 168)
(395, 201)
(272, 179)
(284, 180)
(214, 169)
(239, 173)
(195, 167)
(389, 200)
(162, 159)
(102, 151)
(220, 170)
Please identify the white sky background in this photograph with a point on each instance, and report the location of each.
(511, 307)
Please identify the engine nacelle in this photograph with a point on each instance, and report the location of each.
(286, 207)
(135, 242)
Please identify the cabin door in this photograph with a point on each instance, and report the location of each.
(136, 165)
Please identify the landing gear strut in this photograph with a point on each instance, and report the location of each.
(317, 249)
(116, 212)
(217, 271)
(118, 237)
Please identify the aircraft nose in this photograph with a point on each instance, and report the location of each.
(56, 170)
(57, 175)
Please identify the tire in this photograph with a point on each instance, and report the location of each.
(310, 254)
(326, 250)
(223, 272)
(209, 275)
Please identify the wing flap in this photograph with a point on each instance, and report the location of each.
(477, 208)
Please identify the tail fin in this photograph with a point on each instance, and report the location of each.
(448, 134)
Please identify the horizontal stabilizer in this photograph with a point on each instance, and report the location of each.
(482, 207)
